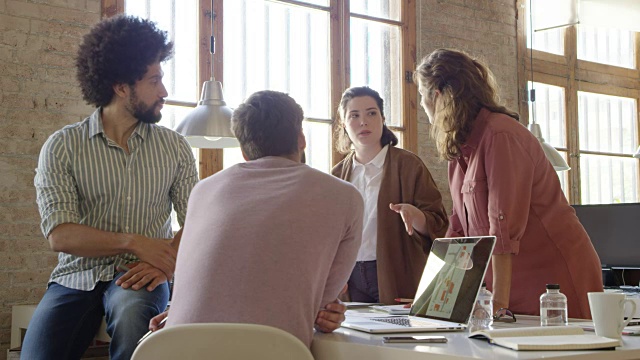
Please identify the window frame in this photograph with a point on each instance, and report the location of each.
(210, 160)
(574, 75)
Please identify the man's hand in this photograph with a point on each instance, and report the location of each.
(330, 318)
(141, 274)
(157, 322)
(157, 252)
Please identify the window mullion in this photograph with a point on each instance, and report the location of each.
(112, 7)
(523, 58)
(339, 50)
(571, 106)
(409, 89)
(637, 52)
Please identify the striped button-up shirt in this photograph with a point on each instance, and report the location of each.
(85, 178)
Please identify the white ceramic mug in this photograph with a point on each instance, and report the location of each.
(607, 311)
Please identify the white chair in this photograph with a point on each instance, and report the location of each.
(221, 342)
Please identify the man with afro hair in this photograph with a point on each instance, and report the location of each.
(105, 189)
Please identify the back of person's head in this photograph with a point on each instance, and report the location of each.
(268, 123)
(466, 85)
(118, 51)
(343, 142)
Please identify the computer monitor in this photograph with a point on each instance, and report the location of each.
(614, 230)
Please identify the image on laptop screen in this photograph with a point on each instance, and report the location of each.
(451, 278)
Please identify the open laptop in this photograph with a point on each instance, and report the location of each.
(447, 291)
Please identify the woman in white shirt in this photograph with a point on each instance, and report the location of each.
(403, 207)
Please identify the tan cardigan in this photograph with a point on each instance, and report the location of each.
(400, 257)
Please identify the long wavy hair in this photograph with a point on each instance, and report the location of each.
(466, 86)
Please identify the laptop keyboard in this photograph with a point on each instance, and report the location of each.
(406, 322)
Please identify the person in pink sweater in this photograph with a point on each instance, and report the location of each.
(270, 241)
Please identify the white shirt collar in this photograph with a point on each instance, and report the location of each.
(377, 161)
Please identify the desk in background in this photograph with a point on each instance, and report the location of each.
(348, 344)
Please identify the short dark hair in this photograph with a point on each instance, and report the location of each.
(267, 124)
(343, 142)
(118, 51)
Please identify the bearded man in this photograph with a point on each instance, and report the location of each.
(105, 189)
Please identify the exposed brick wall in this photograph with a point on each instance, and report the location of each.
(38, 95)
(482, 28)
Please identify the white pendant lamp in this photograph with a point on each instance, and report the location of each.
(558, 162)
(209, 124)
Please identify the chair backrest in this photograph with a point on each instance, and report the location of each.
(221, 342)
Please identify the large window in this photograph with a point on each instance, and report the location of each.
(587, 92)
(607, 46)
(300, 50)
(312, 50)
(608, 130)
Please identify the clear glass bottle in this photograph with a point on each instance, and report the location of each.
(482, 315)
(553, 307)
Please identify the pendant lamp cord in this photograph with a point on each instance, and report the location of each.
(212, 49)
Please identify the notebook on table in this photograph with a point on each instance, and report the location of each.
(447, 291)
(551, 338)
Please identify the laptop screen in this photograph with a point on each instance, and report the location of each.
(452, 278)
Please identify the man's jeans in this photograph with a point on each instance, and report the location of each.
(66, 320)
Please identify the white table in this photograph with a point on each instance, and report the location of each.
(348, 344)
